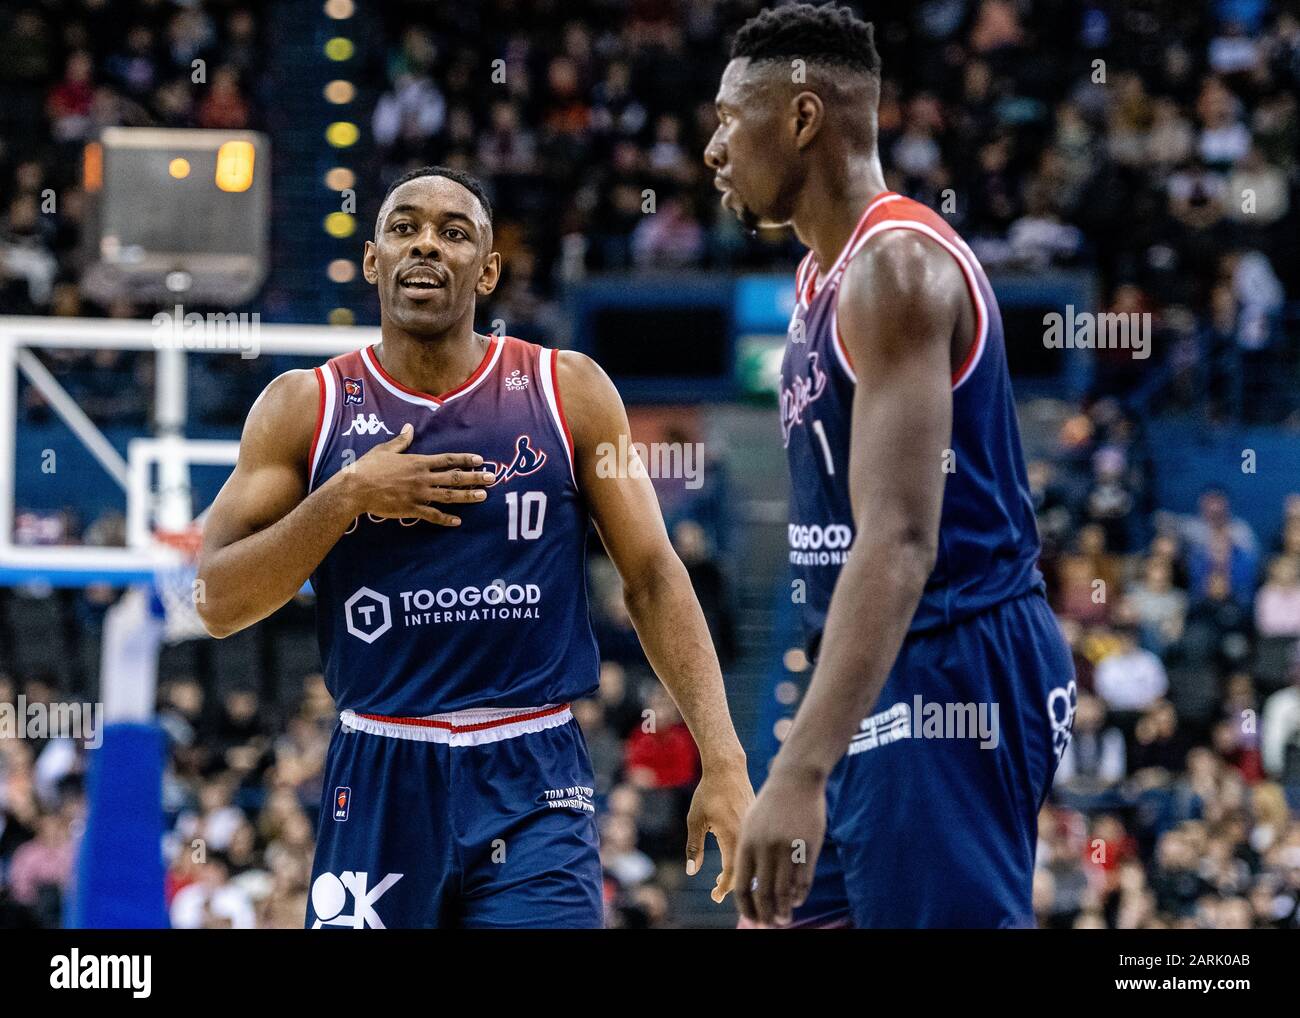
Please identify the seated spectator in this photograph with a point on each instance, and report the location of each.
(1132, 678)
(1177, 883)
(224, 106)
(41, 870)
(70, 100)
(1156, 606)
(212, 901)
(1255, 175)
(1277, 606)
(1160, 743)
(1095, 759)
(1219, 565)
(661, 752)
(670, 238)
(1215, 517)
(603, 746)
(410, 114)
(1280, 729)
(710, 585)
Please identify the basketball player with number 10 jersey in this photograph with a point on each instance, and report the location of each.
(437, 488)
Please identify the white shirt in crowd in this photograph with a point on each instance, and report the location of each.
(1279, 727)
(1131, 680)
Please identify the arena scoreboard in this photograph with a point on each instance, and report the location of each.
(177, 215)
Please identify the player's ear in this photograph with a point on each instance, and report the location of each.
(808, 113)
(490, 274)
(368, 267)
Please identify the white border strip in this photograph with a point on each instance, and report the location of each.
(82, 564)
(367, 357)
(498, 344)
(420, 733)
(965, 261)
(850, 245)
(550, 383)
(326, 377)
(838, 343)
(801, 280)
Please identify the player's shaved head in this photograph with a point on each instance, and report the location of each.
(470, 183)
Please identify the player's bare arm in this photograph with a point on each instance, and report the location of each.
(899, 303)
(663, 607)
(263, 538)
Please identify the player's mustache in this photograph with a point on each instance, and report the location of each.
(432, 268)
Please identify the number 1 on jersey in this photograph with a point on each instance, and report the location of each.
(525, 521)
(826, 446)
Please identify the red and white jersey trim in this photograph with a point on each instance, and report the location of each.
(324, 419)
(965, 259)
(462, 727)
(396, 388)
(808, 288)
(551, 390)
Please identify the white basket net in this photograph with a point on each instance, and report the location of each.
(176, 582)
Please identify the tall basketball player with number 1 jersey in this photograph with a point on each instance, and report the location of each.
(910, 525)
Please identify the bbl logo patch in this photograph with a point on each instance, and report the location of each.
(352, 391)
(342, 802)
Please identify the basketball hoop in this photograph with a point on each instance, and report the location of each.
(175, 581)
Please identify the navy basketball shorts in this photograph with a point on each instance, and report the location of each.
(479, 818)
(932, 815)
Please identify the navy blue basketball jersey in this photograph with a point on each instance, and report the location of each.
(416, 619)
(988, 540)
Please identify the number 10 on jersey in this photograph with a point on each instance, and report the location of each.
(526, 515)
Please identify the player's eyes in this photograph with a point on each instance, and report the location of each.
(459, 233)
(402, 227)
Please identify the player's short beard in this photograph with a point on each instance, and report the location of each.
(749, 220)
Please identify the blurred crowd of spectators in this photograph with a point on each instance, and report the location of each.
(1177, 802)
(70, 68)
(1153, 142)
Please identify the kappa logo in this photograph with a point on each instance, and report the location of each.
(515, 381)
(329, 895)
(352, 391)
(363, 425)
(527, 461)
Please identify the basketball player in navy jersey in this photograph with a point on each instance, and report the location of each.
(436, 488)
(911, 526)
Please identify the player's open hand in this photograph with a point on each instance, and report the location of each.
(719, 804)
(779, 844)
(391, 483)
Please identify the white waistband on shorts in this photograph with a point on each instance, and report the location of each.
(462, 727)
